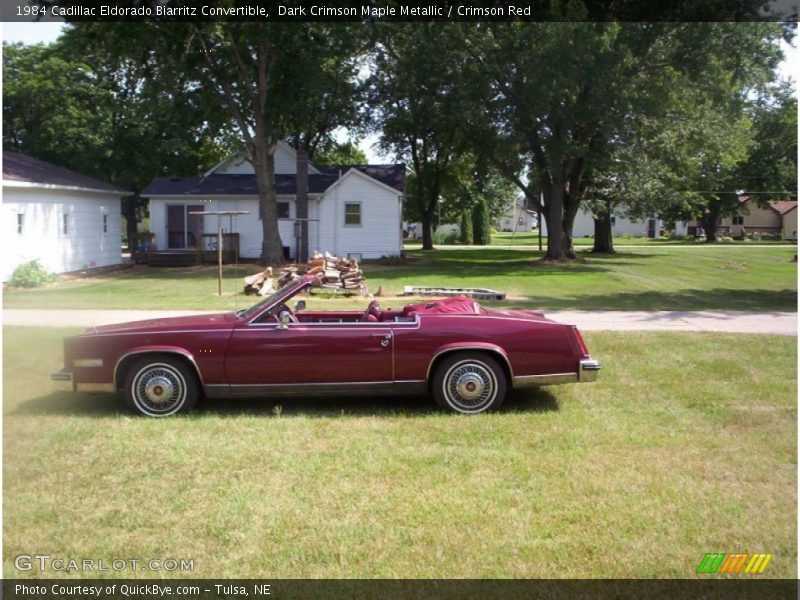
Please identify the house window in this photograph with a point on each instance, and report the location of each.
(283, 210)
(521, 221)
(20, 223)
(613, 221)
(65, 224)
(352, 213)
(738, 220)
(105, 223)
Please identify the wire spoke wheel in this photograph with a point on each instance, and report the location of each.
(469, 383)
(159, 389)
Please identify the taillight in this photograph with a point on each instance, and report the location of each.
(581, 343)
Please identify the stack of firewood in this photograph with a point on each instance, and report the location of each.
(260, 283)
(332, 272)
(336, 273)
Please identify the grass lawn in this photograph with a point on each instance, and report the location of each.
(663, 278)
(686, 445)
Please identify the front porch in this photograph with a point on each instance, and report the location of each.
(204, 252)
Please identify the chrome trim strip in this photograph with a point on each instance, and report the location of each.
(524, 381)
(459, 348)
(391, 324)
(118, 384)
(87, 362)
(170, 332)
(95, 387)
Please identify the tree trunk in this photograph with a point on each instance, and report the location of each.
(567, 223)
(271, 244)
(709, 222)
(603, 241)
(554, 215)
(427, 230)
(129, 211)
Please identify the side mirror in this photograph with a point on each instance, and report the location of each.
(299, 305)
(284, 319)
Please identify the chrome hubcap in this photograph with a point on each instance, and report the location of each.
(158, 389)
(470, 386)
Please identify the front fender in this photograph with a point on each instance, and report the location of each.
(154, 349)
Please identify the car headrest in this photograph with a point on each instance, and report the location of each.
(374, 309)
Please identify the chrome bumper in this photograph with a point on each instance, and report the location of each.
(63, 381)
(587, 370)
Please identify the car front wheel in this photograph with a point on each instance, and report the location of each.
(161, 386)
(469, 382)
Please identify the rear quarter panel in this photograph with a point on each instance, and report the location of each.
(532, 347)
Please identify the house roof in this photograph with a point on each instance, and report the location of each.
(23, 169)
(783, 206)
(246, 184)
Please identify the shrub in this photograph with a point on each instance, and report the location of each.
(481, 226)
(466, 228)
(30, 275)
(446, 237)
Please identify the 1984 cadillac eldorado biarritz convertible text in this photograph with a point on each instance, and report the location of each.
(463, 354)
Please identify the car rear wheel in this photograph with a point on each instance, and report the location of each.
(469, 382)
(160, 386)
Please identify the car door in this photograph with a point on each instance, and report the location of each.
(310, 353)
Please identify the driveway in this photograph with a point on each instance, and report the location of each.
(780, 323)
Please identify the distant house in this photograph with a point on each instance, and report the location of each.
(353, 210)
(66, 220)
(777, 218)
(652, 227)
(517, 217)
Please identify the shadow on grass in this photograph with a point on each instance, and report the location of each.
(69, 404)
(106, 405)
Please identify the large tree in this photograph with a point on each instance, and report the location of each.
(563, 93)
(264, 81)
(273, 81)
(420, 101)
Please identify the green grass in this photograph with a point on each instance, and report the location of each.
(686, 445)
(663, 278)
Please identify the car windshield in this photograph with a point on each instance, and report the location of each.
(288, 291)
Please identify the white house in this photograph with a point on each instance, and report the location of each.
(353, 210)
(66, 220)
(621, 225)
(517, 217)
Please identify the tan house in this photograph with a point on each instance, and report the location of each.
(778, 218)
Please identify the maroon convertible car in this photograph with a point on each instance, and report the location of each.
(465, 355)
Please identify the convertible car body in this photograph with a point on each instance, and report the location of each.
(465, 355)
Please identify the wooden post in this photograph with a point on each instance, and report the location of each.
(219, 253)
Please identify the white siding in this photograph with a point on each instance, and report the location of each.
(379, 233)
(584, 226)
(84, 246)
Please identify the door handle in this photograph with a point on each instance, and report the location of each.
(385, 339)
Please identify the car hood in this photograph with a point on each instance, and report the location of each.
(206, 321)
